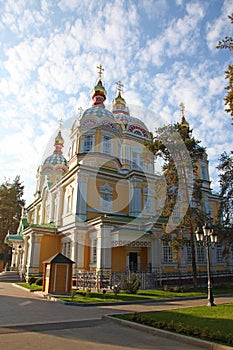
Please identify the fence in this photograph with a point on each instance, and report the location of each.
(148, 280)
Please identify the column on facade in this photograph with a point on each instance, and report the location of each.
(74, 248)
(135, 197)
(103, 248)
(14, 256)
(80, 248)
(59, 199)
(81, 206)
(25, 254)
(51, 207)
(38, 215)
(34, 254)
(125, 149)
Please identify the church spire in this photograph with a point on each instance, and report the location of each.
(119, 102)
(99, 92)
(184, 122)
(59, 141)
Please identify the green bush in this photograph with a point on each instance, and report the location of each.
(39, 281)
(31, 280)
(88, 293)
(182, 328)
(116, 289)
(131, 285)
(166, 288)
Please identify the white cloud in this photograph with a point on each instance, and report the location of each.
(179, 37)
(220, 26)
(154, 8)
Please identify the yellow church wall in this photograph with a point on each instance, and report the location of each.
(118, 259)
(169, 269)
(49, 246)
(120, 196)
(93, 195)
(220, 268)
(97, 140)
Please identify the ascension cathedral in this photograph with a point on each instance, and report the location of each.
(100, 204)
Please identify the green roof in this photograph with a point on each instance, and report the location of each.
(14, 237)
(50, 226)
(129, 230)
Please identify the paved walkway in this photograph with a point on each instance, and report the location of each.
(27, 322)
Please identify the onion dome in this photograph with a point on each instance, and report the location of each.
(99, 94)
(119, 102)
(119, 108)
(57, 157)
(97, 113)
(122, 116)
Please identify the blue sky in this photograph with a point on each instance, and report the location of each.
(163, 51)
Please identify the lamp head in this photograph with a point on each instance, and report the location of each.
(206, 230)
(199, 234)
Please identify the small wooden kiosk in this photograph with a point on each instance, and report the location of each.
(57, 275)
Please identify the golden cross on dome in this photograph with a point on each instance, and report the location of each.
(100, 70)
(119, 86)
(182, 107)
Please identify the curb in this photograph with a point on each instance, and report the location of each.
(23, 288)
(133, 302)
(165, 334)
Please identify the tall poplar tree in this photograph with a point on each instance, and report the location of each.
(227, 43)
(11, 203)
(182, 182)
(225, 226)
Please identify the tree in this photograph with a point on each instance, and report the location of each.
(225, 225)
(11, 203)
(227, 43)
(180, 152)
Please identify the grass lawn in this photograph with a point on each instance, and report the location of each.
(210, 323)
(95, 297)
(79, 296)
(33, 287)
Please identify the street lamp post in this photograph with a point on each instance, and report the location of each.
(207, 237)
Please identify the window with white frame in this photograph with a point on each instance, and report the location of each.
(189, 253)
(204, 173)
(200, 250)
(167, 253)
(88, 143)
(137, 160)
(69, 199)
(208, 208)
(219, 255)
(107, 144)
(66, 249)
(93, 251)
(148, 200)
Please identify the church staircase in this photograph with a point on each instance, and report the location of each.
(9, 277)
